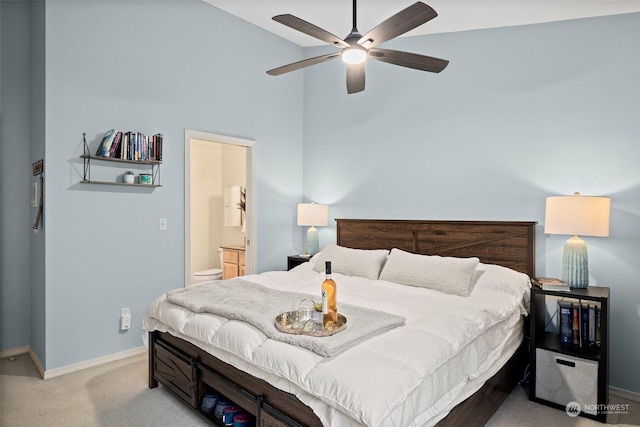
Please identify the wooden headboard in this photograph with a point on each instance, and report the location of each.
(506, 243)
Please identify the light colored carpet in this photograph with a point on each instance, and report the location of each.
(116, 394)
(518, 410)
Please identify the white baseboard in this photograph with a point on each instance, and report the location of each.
(76, 366)
(51, 373)
(36, 362)
(14, 351)
(626, 394)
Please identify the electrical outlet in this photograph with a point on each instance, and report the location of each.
(125, 319)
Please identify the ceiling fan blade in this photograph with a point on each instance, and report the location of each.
(410, 60)
(403, 21)
(310, 29)
(355, 78)
(301, 64)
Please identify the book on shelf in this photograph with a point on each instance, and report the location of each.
(105, 143)
(565, 322)
(115, 144)
(598, 333)
(584, 325)
(592, 323)
(131, 145)
(575, 323)
(579, 323)
(552, 284)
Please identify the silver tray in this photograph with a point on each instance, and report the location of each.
(313, 329)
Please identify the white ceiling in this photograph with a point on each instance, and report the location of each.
(335, 16)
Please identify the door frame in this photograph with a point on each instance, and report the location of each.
(250, 183)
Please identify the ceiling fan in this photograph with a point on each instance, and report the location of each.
(356, 48)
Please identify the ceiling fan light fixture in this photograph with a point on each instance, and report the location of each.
(356, 48)
(354, 55)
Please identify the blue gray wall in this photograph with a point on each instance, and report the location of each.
(37, 109)
(520, 114)
(153, 67)
(15, 175)
(160, 67)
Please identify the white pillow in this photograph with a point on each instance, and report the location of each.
(365, 263)
(503, 279)
(445, 274)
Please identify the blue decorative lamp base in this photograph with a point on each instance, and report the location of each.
(575, 266)
(313, 245)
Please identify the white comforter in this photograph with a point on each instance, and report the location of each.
(412, 375)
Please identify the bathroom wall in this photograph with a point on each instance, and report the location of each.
(207, 214)
(213, 167)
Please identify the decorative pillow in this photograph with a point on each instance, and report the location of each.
(365, 263)
(503, 279)
(450, 275)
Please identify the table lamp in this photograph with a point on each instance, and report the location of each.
(312, 215)
(577, 215)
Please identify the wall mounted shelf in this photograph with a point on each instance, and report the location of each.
(89, 158)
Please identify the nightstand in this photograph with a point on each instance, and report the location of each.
(295, 260)
(568, 372)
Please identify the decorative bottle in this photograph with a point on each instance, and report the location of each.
(329, 308)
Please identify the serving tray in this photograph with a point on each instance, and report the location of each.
(313, 328)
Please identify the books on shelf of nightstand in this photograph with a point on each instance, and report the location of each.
(579, 323)
(552, 284)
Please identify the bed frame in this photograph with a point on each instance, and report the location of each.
(188, 370)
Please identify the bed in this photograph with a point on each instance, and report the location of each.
(427, 370)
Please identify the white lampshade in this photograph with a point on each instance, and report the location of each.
(577, 215)
(313, 214)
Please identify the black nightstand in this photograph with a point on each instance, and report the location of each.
(295, 260)
(566, 372)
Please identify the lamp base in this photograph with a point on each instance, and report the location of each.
(575, 265)
(313, 246)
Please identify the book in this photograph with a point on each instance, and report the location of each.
(158, 150)
(124, 146)
(598, 333)
(566, 330)
(106, 151)
(115, 144)
(552, 284)
(584, 326)
(132, 144)
(105, 143)
(575, 324)
(592, 323)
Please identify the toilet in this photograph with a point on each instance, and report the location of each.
(207, 275)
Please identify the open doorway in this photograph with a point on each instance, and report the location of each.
(215, 166)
